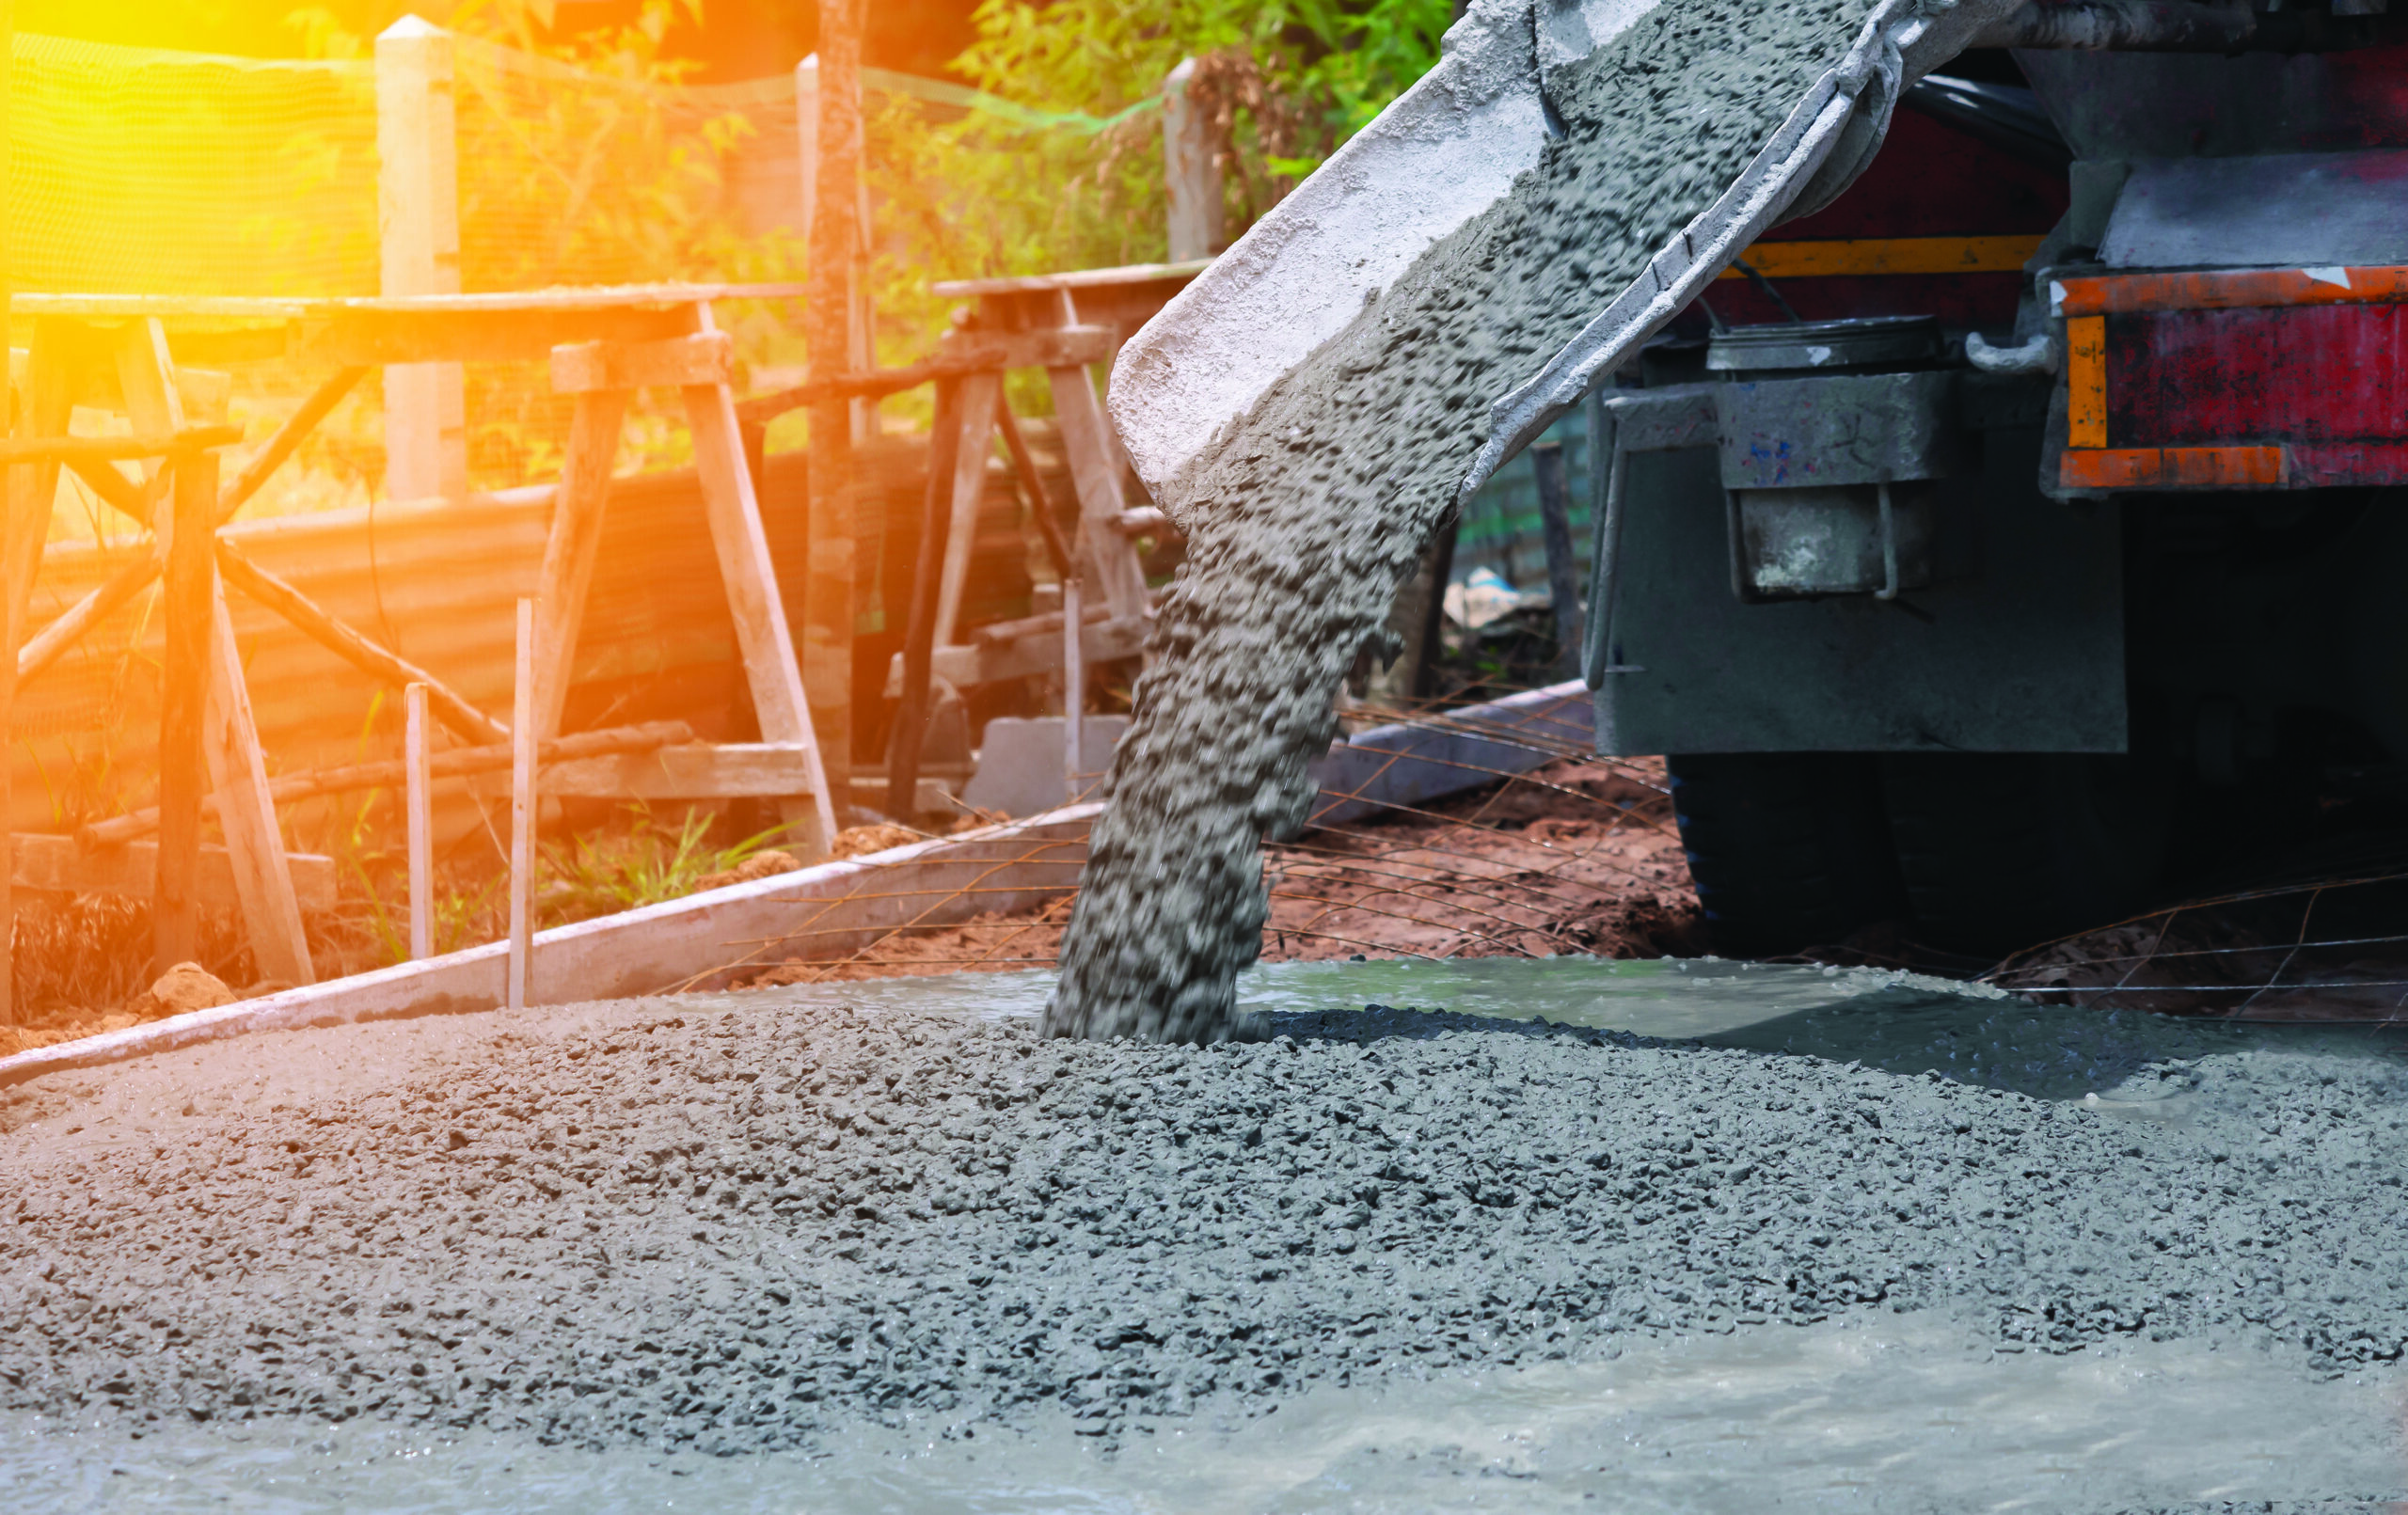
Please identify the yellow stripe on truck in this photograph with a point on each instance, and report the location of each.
(1891, 255)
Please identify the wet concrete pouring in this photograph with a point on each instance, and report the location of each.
(1304, 518)
(738, 1224)
(743, 1223)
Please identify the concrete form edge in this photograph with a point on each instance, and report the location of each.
(646, 951)
(665, 946)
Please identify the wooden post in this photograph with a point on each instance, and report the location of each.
(1191, 171)
(919, 633)
(246, 808)
(417, 788)
(32, 488)
(12, 622)
(835, 178)
(974, 414)
(182, 707)
(1074, 681)
(1095, 469)
(1562, 568)
(806, 133)
(308, 617)
(418, 195)
(1432, 649)
(522, 810)
(230, 743)
(757, 605)
(572, 549)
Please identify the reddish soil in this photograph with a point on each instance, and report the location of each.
(1578, 857)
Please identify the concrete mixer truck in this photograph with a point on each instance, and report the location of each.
(1998, 511)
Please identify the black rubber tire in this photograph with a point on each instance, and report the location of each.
(1788, 849)
(2005, 850)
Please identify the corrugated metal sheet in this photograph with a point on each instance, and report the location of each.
(436, 582)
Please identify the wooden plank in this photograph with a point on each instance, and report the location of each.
(31, 490)
(581, 368)
(1393, 767)
(1096, 471)
(116, 449)
(522, 809)
(753, 602)
(725, 771)
(931, 797)
(245, 811)
(973, 415)
(961, 353)
(836, 908)
(1085, 278)
(352, 647)
(229, 734)
(63, 632)
(457, 763)
(288, 437)
(505, 334)
(1075, 682)
(912, 690)
(600, 299)
(56, 864)
(418, 801)
(1031, 486)
(818, 912)
(572, 546)
(1016, 658)
(187, 611)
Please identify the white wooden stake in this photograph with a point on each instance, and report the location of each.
(1191, 178)
(417, 215)
(1074, 684)
(418, 779)
(522, 809)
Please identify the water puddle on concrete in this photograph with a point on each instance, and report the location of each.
(1885, 1412)
(1861, 1412)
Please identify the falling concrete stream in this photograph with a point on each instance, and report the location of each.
(1704, 1233)
(1312, 507)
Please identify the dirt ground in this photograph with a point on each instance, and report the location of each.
(1578, 856)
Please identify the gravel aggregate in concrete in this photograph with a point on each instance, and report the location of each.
(740, 1224)
(1315, 506)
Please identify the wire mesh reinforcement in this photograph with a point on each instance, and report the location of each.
(1576, 855)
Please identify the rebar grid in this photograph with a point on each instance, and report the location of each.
(1431, 881)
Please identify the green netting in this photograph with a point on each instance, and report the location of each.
(140, 172)
(149, 172)
(170, 173)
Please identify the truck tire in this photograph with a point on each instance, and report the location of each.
(2005, 850)
(1788, 849)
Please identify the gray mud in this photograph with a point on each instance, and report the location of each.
(746, 1224)
(1319, 504)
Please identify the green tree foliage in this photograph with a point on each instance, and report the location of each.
(1284, 82)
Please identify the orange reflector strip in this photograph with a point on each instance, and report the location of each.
(2086, 382)
(2228, 290)
(2172, 468)
(1889, 254)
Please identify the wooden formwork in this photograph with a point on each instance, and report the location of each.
(692, 942)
